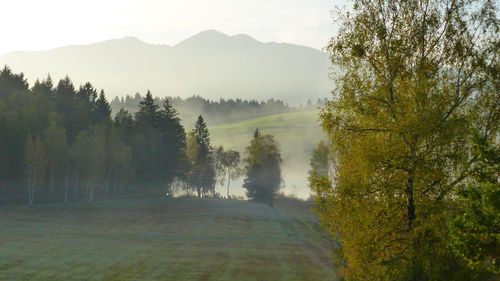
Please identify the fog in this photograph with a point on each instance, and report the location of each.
(121, 121)
(210, 64)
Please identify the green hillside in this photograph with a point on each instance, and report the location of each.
(164, 239)
(297, 133)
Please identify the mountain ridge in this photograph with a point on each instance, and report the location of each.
(210, 63)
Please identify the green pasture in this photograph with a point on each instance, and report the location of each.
(297, 134)
(164, 239)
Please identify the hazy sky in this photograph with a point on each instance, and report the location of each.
(38, 25)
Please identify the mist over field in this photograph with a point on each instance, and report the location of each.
(297, 134)
(250, 140)
(296, 129)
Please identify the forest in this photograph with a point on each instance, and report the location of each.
(62, 144)
(217, 112)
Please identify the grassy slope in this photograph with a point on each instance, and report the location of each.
(297, 133)
(161, 239)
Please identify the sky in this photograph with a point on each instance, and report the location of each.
(41, 25)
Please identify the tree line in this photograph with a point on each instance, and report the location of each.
(216, 112)
(61, 144)
(408, 182)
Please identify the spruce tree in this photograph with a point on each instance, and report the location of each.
(65, 105)
(85, 103)
(203, 166)
(44, 88)
(11, 83)
(125, 121)
(102, 108)
(147, 147)
(173, 140)
(148, 111)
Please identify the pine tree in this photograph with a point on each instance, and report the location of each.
(125, 122)
(87, 94)
(102, 108)
(65, 105)
(11, 83)
(173, 138)
(203, 165)
(193, 176)
(85, 104)
(148, 111)
(124, 119)
(147, 144)
(44, 88)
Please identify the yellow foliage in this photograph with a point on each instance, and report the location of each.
(398, 125)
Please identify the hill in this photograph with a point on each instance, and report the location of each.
(162, 239)
(211, 64)
(297, 133)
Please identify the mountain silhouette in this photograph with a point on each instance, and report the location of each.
(210, 64)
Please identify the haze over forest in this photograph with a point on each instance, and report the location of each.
(373, 155)
(209, 64)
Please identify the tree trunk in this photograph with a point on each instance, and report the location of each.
(228, 182)
(115, 188)
(410, 200)
(120, 188)
(91, 196)
(66, 194)
(30, 180)
(66, 184)
(108, 176)
(91, 191)
(29, 194)
(33, 196)
(33, 188)
(77, 182)
(52, 172)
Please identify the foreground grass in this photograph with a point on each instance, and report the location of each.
(161, 239)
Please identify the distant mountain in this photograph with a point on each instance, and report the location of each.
(210, 64)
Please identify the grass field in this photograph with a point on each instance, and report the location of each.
(297, 133)
(164, 239)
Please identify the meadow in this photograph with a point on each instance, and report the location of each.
(297, 134)
(164, 239)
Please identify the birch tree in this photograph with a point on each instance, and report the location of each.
(91, 144)
(227, 166)
(35, 161)
(399, 123)
(57, 152)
